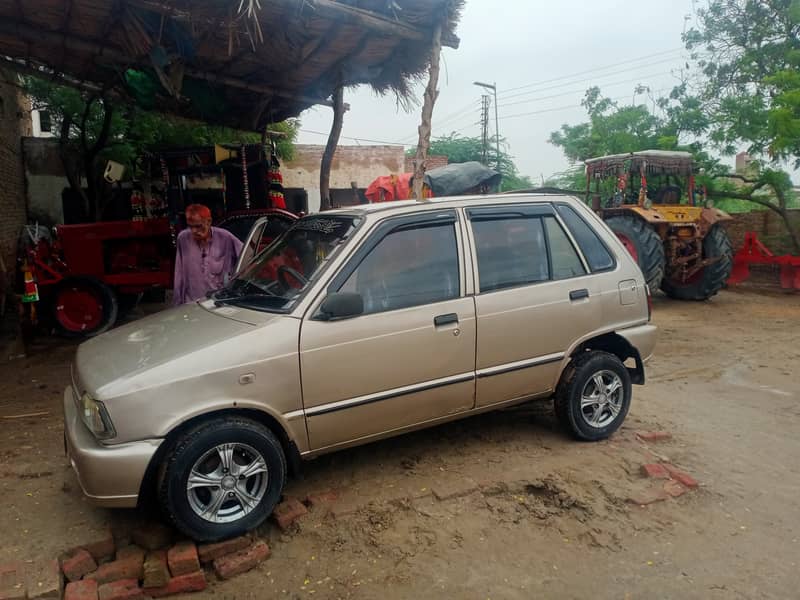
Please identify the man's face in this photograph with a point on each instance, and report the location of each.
(200, 227)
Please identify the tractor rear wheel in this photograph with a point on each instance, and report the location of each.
(643, 244)
(708, 280)
(84, 307)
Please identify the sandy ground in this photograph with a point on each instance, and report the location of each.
(526, 512)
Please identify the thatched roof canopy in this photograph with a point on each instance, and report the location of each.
(241, 63)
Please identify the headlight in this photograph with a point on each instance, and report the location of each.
(96, 418)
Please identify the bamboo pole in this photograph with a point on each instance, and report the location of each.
(431, 93)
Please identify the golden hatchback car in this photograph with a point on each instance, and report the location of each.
(355, 325)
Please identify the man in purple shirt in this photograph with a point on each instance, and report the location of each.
(206, 256)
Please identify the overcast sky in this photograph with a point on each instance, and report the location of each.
(554, 49)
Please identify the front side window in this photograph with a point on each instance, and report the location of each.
(511, 252)
(281, 274)
(410, 266)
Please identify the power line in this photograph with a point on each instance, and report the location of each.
(566, 107)
(595, 70)
(605, 85)
(358, 139)
(585, 79)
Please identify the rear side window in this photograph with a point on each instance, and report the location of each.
(511, 252)
(565, 260)
(594, 250)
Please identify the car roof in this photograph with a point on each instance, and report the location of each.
(403, 206)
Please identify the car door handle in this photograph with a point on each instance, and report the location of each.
(578, 294)
(447, 319)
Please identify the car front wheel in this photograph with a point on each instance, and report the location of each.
(222, 479)
(594, 395)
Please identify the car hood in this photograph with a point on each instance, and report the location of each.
(112, 362)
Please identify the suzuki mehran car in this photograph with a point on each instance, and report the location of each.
(355, 325)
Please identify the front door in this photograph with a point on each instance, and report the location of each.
(410, 357)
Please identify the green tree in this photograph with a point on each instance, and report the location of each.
(94, 127)
(747, 53)
(459, 149)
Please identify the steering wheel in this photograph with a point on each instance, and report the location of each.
(298, 277)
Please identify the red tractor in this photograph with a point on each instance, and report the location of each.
(88, 274)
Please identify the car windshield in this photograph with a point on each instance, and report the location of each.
(279, 276)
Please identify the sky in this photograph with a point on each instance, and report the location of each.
(542, 57)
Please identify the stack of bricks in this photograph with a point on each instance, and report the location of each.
(150, 567)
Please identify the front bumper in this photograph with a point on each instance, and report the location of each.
(108, 475)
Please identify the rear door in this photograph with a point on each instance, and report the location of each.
(410, 358)
(534, 297)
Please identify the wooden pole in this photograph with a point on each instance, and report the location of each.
(431, 93)
(330, 149)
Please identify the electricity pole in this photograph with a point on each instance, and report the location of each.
(493, 87)
(485, 129)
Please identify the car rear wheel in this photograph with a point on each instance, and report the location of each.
(222, 479)
(594, 395)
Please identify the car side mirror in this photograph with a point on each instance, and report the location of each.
(341, 305)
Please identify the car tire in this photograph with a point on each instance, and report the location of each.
(590, 413)
(222, 502)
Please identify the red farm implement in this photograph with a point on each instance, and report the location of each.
(754, 252)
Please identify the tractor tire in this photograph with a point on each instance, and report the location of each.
(643, 244)
(84, 307)
(711, 279)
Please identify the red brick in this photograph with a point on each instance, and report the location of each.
(183, 584)
(242, 561)
(77, 565)
(182, 559)
(124, 589)
(126, 568)
(102, 548)
(156, 573)
(649, 496)
(653, 436)
(318, 499)
(210, 552)
(655, 471)
(287, 512)
(81, 590)
(674, 489)
(152, 536)
(681, 476)
(44, 580)
(131, 551)
(12, 581)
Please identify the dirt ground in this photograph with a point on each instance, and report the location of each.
(526, 512)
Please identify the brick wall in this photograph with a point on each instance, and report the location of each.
(359, 164)
(769, 227)
(14, 122)
(432, 162)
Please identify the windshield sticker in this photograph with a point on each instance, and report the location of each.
(320, 225)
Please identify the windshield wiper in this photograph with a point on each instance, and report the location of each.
(237, 290)
(248, 299)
